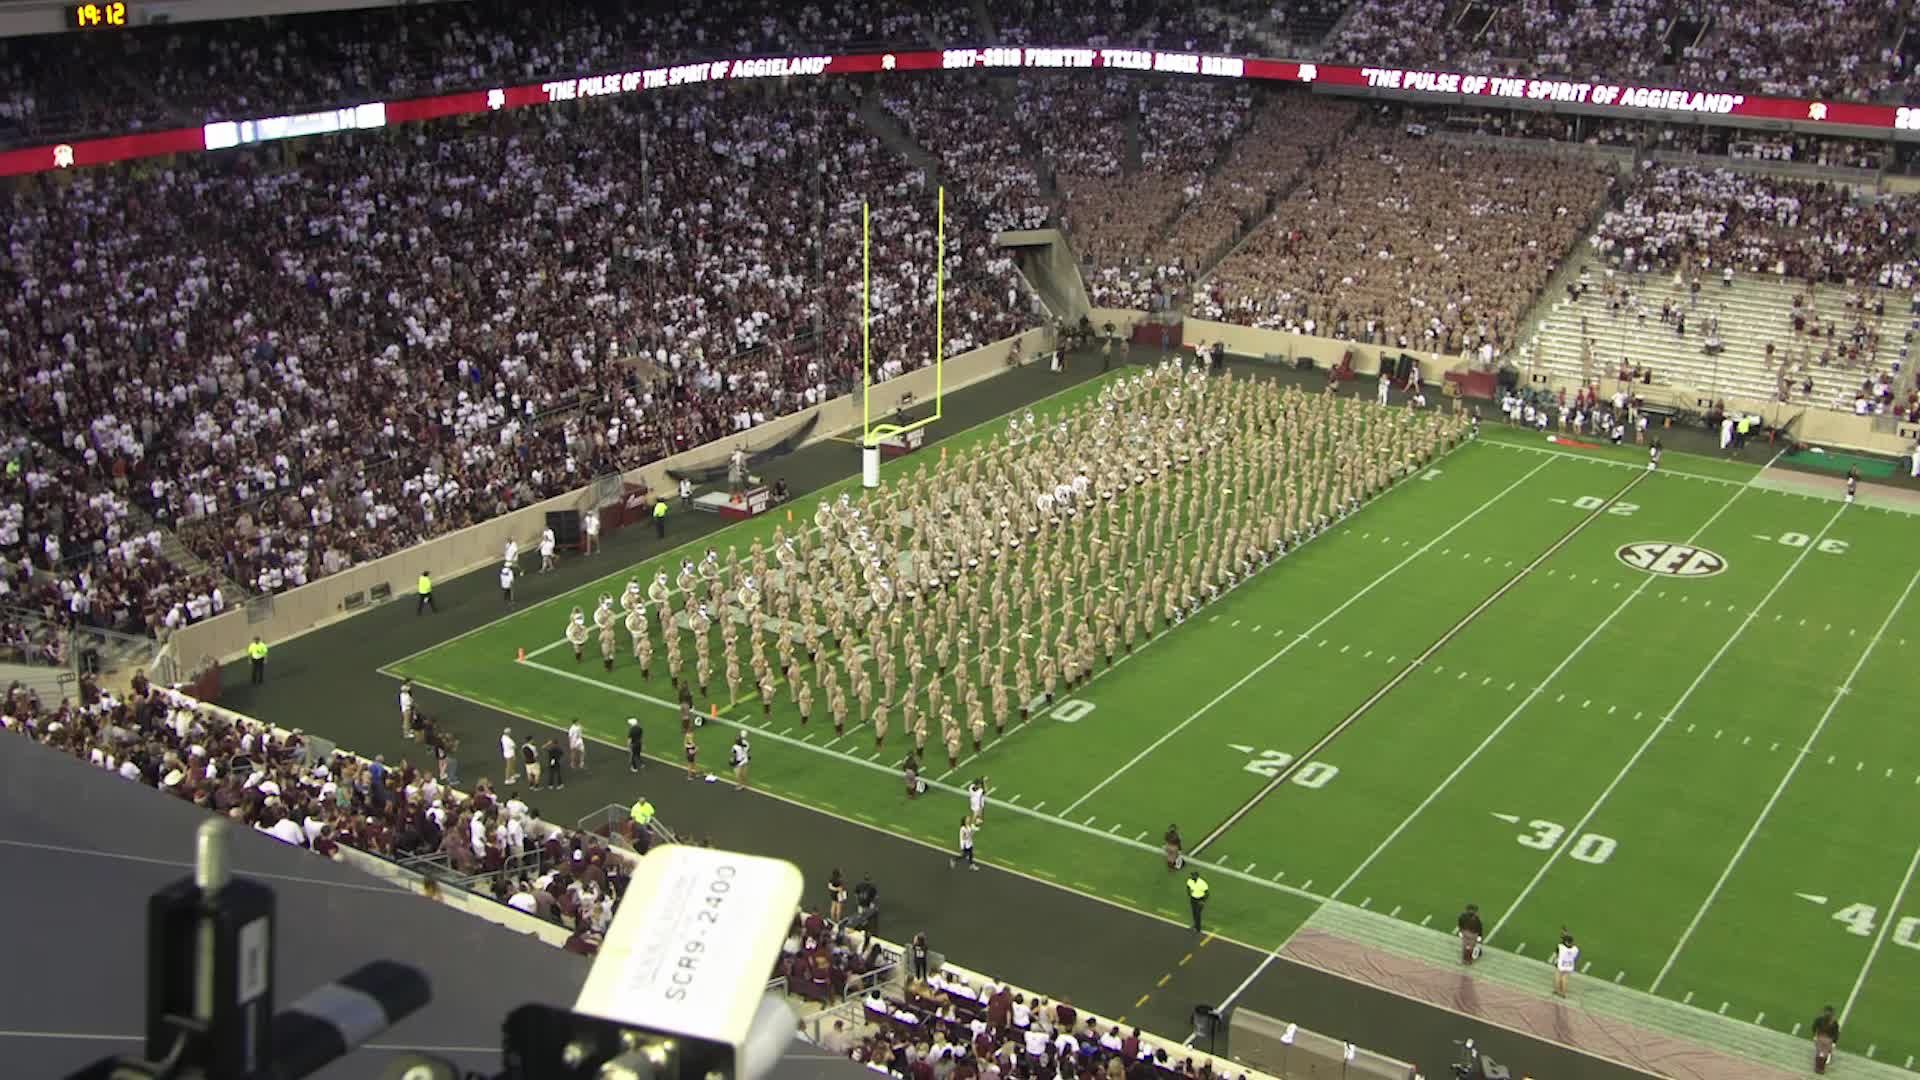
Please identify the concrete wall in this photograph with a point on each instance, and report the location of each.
(296, 611)
(1286, 348)
(1047, 259)
(1817, 425)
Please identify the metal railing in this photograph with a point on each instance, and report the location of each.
(611, 822)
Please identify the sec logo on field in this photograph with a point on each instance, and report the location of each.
(1675, 560)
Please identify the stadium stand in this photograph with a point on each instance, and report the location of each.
(1774, 289)
(278, 782)
(964, 129)
(1834, 49)
(1285, 138)
(1117, 219)
(78, 84)
(1410, 242)
(352, 400)
(883, 23)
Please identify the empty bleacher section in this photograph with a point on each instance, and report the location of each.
(1731, 284)
(1734, 341)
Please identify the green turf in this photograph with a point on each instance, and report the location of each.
(1597, 748)
(1836, 462)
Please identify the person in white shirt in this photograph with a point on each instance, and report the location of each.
(506, 583)
(522, 899)
(741, 758)
(547, 544)
(977, 801)
(966, 845)
(1036, 1042)
(406, 709)
(1066, 1045)
(1566, 957)
(576, 746)
(1022, 1012)
(512, 556)
(508, 755)
(285, 831)
(590, 522)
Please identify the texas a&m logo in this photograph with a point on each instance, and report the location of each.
(1675, 560)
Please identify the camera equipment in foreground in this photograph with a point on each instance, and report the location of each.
(678, 989)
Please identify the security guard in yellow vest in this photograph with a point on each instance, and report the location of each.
(1196, 896)
(257, 652)
(642, 814)
(425, 603)
(660, 517)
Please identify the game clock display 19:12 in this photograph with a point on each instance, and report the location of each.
(97, 16)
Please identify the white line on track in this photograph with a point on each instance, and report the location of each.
(1765, 811)
(1304, 635)
(1686, 695)
(1538, 689)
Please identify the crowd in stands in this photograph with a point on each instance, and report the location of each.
(1675, 216)
(1410, 242)
(1068, 22)
(73, 551)
(64, 86)
(1155, 248)
(1116, 218)
(1825, 49)
(1797, 48)
(312, 368)
(961, 126)
(270, 780)
(948, 1028)
(879, 22)
(59, 86)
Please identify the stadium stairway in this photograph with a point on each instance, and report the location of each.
(984, 21)
(895, 137)
(1756, 311)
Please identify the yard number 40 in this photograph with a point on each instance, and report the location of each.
(1861, 919)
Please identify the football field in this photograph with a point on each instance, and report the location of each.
(1658, 709)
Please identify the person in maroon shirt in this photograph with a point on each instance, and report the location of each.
(1000, 1009)
(1130, 1046)
(1064, 1015)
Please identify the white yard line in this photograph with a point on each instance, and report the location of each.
(788, 740)
(1539, 688)
(705, 539)
(1892, 910)
(1685, 696)
(1303, 636)
(1299, 762)
(1739, 853)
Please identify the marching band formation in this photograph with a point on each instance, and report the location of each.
(1013, 570)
